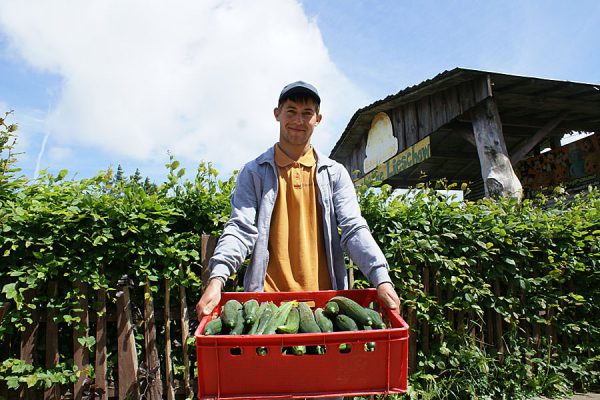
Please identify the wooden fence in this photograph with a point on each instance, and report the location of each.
(162, 330)
(115, 321)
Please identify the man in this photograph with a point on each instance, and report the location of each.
(288, 207)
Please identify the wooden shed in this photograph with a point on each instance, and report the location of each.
(464, 125)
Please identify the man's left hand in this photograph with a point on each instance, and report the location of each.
(388, 296)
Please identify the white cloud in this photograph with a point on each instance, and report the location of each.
(198, 78)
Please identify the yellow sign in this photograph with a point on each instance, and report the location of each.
(413, 155)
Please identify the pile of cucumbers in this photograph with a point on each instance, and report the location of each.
(250, 318)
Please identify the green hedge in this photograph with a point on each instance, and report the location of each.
(530, 268)
(533, 265)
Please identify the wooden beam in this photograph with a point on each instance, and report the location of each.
(522, 151)
(185, 326)
(547, 103)
(496, 170)
(207, 248)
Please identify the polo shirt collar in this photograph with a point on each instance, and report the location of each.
(282, 159)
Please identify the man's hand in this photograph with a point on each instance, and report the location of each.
(388, 296)
(210, 298)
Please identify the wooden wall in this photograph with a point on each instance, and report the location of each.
(414, 120)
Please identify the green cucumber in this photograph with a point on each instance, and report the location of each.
(376, 317)
(331, 309)
(257, 316)
(353, 310)
(299, 350)
(230, 312)
(307, 319)
(213, 327)
(279, 318)
(292, 323)
(325, 324)
(238, 329)
(265, 318)
(250, 309)
(345, 323)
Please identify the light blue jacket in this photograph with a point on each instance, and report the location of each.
(247, 231)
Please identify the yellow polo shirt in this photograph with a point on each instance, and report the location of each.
(297, 260)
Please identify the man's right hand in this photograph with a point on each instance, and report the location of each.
(210, 298)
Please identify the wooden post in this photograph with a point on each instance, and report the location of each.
(127, 355)
(52, 356)
(154, 390)
(496, 170)
(209, 243)
(168, 370)
(81, 352)
(28, 341)
(101, 352)
(185, 323)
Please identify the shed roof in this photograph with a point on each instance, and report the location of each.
(525, 104)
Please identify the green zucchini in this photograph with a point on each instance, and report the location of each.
(292, 323)
(325, 324)
(353, 310)
(230, 312)
(213, 327)
(376, 318)
(307, 319)
(345, 323)
(250, 309)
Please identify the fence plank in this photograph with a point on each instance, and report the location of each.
(28, 342)
(52, 356)
(101, 352)
(154, 389)
(80, 352)
(185, 323)
(168, 369)
(127, 355)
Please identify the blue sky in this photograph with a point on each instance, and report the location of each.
(97, 84)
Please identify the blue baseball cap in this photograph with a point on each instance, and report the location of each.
(297, 88)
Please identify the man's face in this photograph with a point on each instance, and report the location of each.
(297, 120)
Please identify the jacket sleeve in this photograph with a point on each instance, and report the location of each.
(356, 239)
(240, 232)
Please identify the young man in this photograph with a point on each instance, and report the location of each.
(288, 207)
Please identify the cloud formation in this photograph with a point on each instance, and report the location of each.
(197, 78)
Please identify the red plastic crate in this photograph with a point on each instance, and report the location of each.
(230, 368)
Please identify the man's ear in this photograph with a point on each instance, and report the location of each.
(276, 113)
(319, 118)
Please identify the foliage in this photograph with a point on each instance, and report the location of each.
(534, 264)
